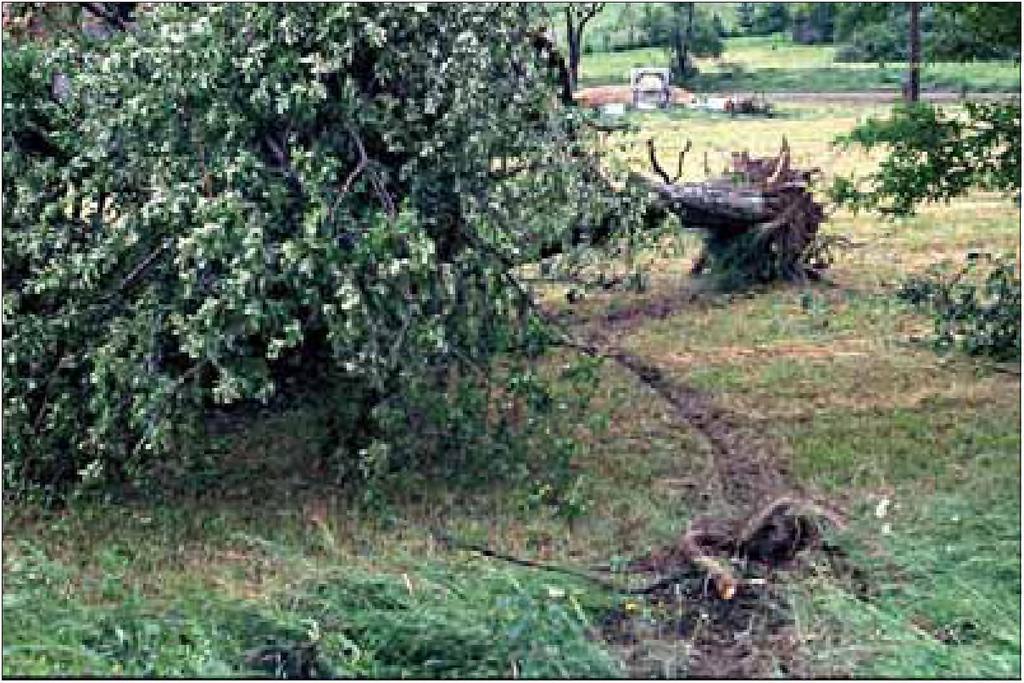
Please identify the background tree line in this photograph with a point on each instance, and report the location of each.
(862, 31)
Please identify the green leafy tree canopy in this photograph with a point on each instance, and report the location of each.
(224, 198)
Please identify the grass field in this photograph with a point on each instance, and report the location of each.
(775, 64)
(920, 450)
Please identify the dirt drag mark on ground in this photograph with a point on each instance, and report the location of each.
(748, 469)
(687, 630)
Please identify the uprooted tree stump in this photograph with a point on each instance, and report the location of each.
(761, 218)
(774, 534)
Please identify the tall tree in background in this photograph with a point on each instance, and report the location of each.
(718, 25)
(914, 84)
(745, 17)
(682, 34)
(813, 22)
(576, 17)
(627, 21)
(879, 32)
(934, 155)
(770, 17)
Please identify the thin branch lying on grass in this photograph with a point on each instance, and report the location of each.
(773, 533)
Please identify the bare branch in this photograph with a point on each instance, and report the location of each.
(682, 155)
(654, 162)
(283, 161)
(382, 194)
(595, 9)
(138, 271)
(98, 9)
(360, 166)
(364, 165)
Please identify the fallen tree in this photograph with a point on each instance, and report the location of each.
(319, 213)
(761, 218)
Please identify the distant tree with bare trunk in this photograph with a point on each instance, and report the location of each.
(577, 14)
(913, 89)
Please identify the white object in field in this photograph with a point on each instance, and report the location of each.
(650, 87)
(714, 103)
(613, 109)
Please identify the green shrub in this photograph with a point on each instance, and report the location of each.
(976, 307)
(935, 156)
(961, 32)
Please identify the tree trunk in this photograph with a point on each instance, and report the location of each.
(913, 93)
(573, 35)
(555, 62)
(677, 43)
(681, 39)
(763, 198)
(684, 60)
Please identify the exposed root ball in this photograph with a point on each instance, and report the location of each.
(773, 534)
(777, 532)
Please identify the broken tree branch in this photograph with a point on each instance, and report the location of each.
(364, 165)
(360, 165)
(112, 18)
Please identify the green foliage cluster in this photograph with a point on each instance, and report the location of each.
(469, 622)
(976, 307)
(745, 17)
(813, 22)
(759, 256)
(878, 32)
(228, 204)
(935, 156)
(763, 18)
(638, 25)
(770, 17)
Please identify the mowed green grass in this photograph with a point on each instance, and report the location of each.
(775, 64)
(843, 378)
(839, 377)
(186, 586)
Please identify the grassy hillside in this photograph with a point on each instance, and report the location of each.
(610, 27)
(920, 451)
(774, 63)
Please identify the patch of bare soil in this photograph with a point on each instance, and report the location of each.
(657, 304)
(620, 94)
(686, 632)
(749, 469)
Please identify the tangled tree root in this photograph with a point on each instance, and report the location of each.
(761, 218)
(772, 535)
